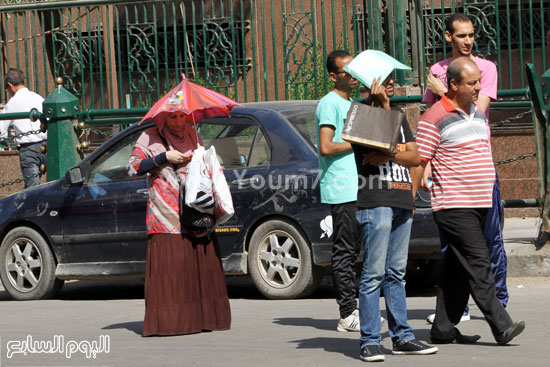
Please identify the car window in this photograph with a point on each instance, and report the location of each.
(111, 166)
(238, 145)
(305, 124)
(303, 120)
(261, 152)
(300, 114)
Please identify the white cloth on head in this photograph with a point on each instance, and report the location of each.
(23, 101)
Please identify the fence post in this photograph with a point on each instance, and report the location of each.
(61, 108)
(417, 43)
(374, 10)
(542, 139)
(397, 35)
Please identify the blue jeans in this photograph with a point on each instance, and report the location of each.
(385, 234)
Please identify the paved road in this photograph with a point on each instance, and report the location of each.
(264, 333)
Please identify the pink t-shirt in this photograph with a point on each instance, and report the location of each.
(489, 78)
(489, 81)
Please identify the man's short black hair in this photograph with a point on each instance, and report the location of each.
(14, 77)
(461, 17)
(331, 59)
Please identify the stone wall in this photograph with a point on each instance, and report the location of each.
(519, 179)
(9, 168)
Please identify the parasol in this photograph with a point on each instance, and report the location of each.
(195, 101)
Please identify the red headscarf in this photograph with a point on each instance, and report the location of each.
(184, 140)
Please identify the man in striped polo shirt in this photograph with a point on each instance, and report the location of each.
(460, 33)
(452, 135)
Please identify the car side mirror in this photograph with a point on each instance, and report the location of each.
(74, 176)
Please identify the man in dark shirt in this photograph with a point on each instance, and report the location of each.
(384, 211)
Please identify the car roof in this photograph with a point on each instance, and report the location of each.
(281, 105)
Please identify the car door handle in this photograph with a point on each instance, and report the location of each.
(144, 192)
(246, 181)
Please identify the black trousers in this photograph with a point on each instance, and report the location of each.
(30, 160)
(466, 270)
(345, 250)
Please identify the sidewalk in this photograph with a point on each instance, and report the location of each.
(524, 260)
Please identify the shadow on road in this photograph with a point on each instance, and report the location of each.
(330, 324)
(348, 347)
(238, 287)
(92, 290)
(135, 326)
(520, 240)
(321, 324)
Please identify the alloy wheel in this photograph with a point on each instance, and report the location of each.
(24, 264)
(279, 259)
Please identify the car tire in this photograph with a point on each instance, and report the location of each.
(27, 266)
(280, 261)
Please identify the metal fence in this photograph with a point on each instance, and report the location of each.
(127, 53)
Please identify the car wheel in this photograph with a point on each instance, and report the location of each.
(27, 265)
(280, 261)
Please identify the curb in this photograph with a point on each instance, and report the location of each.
(524, 259)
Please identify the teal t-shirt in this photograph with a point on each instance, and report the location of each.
(338, 172)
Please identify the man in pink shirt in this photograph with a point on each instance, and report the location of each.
(461, 35)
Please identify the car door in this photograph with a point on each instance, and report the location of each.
(244, 154)
(105, 216)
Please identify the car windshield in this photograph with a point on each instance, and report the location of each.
(301, 114)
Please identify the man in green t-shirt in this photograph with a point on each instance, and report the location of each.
(339, 185)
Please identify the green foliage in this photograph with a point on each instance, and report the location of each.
(312, 81)
(209, 131)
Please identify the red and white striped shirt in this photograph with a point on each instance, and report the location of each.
(463, 172)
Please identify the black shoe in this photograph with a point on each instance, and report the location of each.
(458, 339)
(371, 353)
(414, 347)
(510, 333)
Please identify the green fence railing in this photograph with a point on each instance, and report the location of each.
(127, 53)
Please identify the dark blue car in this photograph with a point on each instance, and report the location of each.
(91, 223)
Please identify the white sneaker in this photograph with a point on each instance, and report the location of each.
(382, 320)
(465, 317)
(350, 323)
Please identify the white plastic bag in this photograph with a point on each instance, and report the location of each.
(222, 195)
(198, 184)
(205, 186)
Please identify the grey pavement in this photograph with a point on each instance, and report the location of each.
(264, 332)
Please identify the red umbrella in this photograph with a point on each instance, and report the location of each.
(195, 101)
